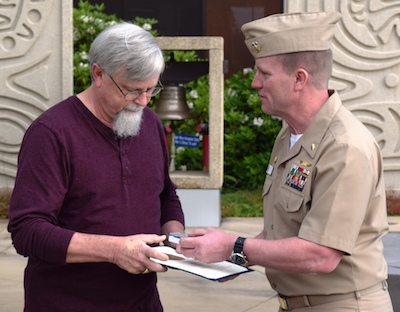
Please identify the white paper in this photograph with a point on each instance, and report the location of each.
(212, 271)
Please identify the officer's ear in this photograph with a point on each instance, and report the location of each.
(301, 78)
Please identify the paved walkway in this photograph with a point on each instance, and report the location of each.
(180, 291)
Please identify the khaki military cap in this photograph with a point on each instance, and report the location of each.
(290, 32)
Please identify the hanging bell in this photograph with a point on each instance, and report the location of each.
(172, 104)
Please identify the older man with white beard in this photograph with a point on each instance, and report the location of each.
(127, 122)
(93, 191)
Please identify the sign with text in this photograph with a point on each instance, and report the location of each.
(186, 140)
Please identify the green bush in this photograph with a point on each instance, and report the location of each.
(248, 133)
(88, 21)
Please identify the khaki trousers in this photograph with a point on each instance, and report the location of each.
(378, 301)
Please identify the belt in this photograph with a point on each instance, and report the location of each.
(290, 303)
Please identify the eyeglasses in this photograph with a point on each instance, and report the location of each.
(133, 95)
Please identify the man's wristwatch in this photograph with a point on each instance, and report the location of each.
(237, 255)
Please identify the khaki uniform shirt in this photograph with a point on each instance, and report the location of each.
(328, 189)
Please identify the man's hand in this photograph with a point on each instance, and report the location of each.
(131, 253)
(207, 245)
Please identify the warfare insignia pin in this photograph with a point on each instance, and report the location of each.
(305, 163)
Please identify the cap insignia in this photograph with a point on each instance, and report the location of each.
(256, 46)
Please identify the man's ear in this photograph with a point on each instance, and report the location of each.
(97, 74)
(301, 78)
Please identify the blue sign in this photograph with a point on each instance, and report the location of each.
(186, 140)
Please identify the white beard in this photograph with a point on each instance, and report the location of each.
(127, 122)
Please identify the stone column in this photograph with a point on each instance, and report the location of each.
(366, 71)
(36, 50)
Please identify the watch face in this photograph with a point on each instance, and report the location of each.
(238, 259)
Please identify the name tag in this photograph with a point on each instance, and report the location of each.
(270, 169)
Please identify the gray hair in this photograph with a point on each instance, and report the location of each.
(129, 49)
(317, 63)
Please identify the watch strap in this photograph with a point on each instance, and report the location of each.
(238, 247)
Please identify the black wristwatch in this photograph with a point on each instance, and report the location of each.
(237, 255)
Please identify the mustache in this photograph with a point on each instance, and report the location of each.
(133, 108)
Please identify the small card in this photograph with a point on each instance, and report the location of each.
(176, 237)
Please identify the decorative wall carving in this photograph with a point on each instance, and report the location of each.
(35, 48)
